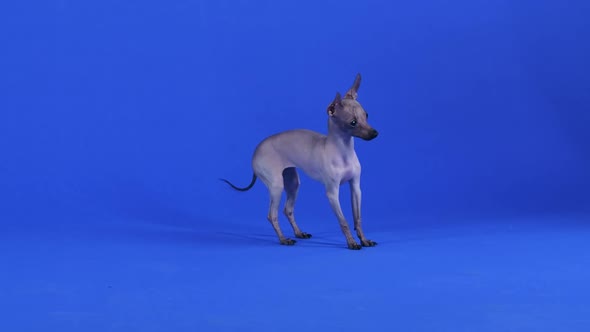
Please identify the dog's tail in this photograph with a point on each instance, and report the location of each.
(254, 177)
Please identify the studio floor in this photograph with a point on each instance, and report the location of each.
(519, 274)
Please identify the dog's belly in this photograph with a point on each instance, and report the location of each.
(299, 149)
(313, 173)
(338, 172)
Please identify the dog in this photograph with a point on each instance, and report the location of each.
(330, 159)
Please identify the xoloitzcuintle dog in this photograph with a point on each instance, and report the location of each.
(330, 159)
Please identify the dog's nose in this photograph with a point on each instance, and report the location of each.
(374, 133)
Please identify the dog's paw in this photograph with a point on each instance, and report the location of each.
(288, 242)
(369, 243)
(303, 235)
(354, 246)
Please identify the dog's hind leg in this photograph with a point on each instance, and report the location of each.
(275, 189)
(291, 184)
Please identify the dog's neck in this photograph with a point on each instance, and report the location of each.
(338, 138)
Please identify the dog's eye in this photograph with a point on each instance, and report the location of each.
(367, 114)
(353, 123)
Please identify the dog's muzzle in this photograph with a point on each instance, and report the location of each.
(372, 134)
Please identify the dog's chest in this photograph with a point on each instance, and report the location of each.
(345, 168)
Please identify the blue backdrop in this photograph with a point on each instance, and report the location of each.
(127, 112)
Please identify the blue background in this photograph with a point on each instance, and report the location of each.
(118, 117)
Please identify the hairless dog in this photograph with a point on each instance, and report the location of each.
(330, 159)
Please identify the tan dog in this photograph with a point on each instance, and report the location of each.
(330, 159)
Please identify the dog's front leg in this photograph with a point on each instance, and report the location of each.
(355, 194)
(333, 193)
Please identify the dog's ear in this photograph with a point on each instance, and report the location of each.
(353, 92)
(335, 102)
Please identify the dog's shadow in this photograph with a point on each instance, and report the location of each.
(147, 216)
(271, 239)
(147, 232)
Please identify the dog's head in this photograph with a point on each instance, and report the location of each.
(348, 114)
